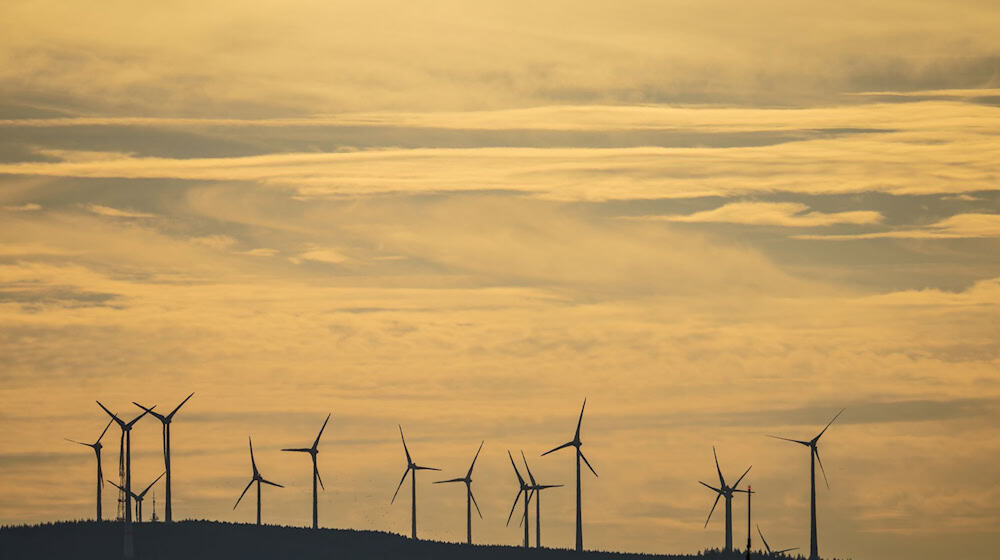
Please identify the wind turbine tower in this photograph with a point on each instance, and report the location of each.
(576, 442)
(312, 451)
(255, 478)
(411, 469)
(537, 489)
(813, 459)
(469, 497)
(96, 446)
(725, 491)
(166, 420)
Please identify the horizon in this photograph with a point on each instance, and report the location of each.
(715, 221)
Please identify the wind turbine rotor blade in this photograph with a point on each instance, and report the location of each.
(158, 416)
(584, 457)
(143, 493)
(299, 449)
(544, 486)
(527, 468)
(513, 507)
(786, 439)
(722, 481)
(320, 434)
(740, 479)
(174, 411)
(580, 421)
(711, 511)
(567, 444)
(786, 550)
(253, 463)
(407, 451)
(271, 483)
(473, 496)
(828, 424)
(517, 472)
(473, 465)
(713, 488)
(319, 478)
(763, 539)
(419, 468)
(105, 431)
(249, 484)
(80, 442)
(116, 486)
(139, 417)
(111, 414)
(401, 481)
(821, 469)
(449, 480)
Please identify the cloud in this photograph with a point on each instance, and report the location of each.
(116, 213)
(260, 252)
(320, 255)
(959, 226)
(27, 207)
(790, 214)
(218, 242)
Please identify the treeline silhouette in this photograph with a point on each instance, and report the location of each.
(215, 540)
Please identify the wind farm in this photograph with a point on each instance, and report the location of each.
(528, 486)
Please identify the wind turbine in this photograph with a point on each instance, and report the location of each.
(579, 455)
(411, 469)
(813, 459)
(126, 428)
(769, 551)
(526, 490)
(256, 478)
(724, 490)
(537, 489)
(312, 451)
(469, 498)
(96, 446)
(140, 496)
(166, 420)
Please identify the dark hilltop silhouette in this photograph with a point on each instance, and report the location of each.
(215, 540)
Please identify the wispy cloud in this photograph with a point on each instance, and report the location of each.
(27, 207)
(791, 214)
(116, 213)
(955, 227)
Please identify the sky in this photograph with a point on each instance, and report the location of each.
(714, 220)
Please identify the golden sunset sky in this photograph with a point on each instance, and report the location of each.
(716, 220)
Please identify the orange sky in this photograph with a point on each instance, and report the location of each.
(714, 220)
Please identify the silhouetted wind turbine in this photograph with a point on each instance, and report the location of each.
(537, 489)
(769, 551)
(126, 428)
(469, 498)
(166, 420)
(140, 496)
(525, 489)
(579, 455)
(411, 469)
(256, 478)
(726, 491)
(813, 459)
(312, 451)
(96, 446)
